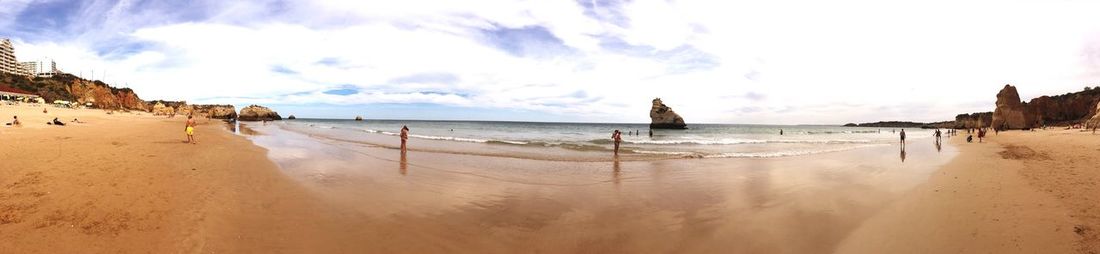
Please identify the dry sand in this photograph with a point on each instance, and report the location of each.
(1020, 192)
(126, 183)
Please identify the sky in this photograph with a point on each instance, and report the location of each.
(762, 62)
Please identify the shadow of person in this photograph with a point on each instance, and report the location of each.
(404, 165)
(939, 146)
(903, 154)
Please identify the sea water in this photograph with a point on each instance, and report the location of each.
(698, 141)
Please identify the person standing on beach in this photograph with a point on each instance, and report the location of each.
(404, 137)
(903, 138)
(617, 137)
(189, 129)
(981, 134)
(938, 134)
(780, 132)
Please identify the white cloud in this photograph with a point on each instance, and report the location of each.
(809, 61)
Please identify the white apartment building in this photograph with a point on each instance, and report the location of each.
(7, 58)
(44, 68)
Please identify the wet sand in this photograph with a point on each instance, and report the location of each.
(1020, 192)
(428, 202)
(126, 183)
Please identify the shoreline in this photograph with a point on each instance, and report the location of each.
(481, 204)
(1019, 192)
(125, 183)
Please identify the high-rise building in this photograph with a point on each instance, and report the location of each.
(44, 68)
(29, 68)
(7, 58)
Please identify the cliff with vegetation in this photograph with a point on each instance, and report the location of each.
(66, 87)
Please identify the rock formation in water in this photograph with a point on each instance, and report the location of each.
(258, 113)
(358, 118)
(1010, 112)
(662, 117)
(291, 117)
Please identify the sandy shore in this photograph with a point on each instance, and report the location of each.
(1020, 192)
(429, 202)
(127, 183)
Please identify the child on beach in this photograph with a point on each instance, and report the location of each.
(618, 138)
(189, 129)
(404, 137)
(981, 134)
(15, 121)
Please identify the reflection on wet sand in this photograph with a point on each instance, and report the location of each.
(404, 167)
(903, 153)
(616, 171)
(479, 204)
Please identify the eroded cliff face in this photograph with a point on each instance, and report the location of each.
(1094, 122)
(662, 117)
(1066, 109)
(100, 95)
(975, 120)
(1010, 112)
(198, 110)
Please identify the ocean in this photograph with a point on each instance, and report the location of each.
(699, 141)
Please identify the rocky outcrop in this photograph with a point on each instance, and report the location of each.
(216, 111)
(1094, 122)
(258, 113)
(1066, 109)
(101, 95)
(662, 117)
(291, 117)
(159, 109)
(973, 121)
(1011, 113)
(358, 118)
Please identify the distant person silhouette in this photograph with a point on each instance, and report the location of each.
(617, 137)
(902, 139)
(404, 137)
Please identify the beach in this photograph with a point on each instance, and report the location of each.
(127, 183)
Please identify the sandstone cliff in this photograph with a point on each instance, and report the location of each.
(1010, 112)
(258, 113)
(1066, 109)
(161, 107)
(101, 95)
(1094, 122)
(662, 117)
(975, 120)
(67, 87)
